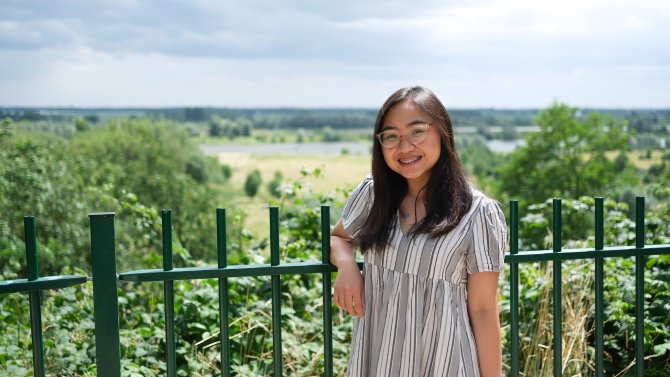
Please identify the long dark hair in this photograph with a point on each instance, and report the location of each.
(447, 196)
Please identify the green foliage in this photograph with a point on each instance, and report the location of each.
(230, 128)
(227, 171)
(82, 125)
(134, 167)
(578, 287)
(69, 312)
(5, 128)
(253, 183)
(329, 135)
(194, 114)
(566, 158)
(274, 185)
(478, 160)
(157, 162)
(34, 180)
(509, 133)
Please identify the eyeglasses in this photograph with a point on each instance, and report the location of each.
(416, 135)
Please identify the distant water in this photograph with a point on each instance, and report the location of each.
(320, 148)
(504, 146)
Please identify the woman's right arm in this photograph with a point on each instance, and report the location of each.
(349, 289)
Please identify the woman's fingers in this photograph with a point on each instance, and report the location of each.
(349, 304)
(348, 290)
(357, 306)
(355, 303)
(349, 301)
(360, 304)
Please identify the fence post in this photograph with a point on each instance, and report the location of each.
(35, 306)
(327, 298)
(105, 295)
(514, 287)
(640, 261)
(557, 309)
(222, 254)
(168, 294)
(276, 294)
(600, 274)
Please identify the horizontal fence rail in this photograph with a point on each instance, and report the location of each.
(640, 251)
(105, 285)
(34, 285)
(102, 228)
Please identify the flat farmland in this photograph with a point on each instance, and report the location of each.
(340, 170)
(337, 171)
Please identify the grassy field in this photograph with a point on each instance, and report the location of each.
(338, 171)
(640, 160)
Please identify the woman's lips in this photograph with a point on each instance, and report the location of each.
(409, 161)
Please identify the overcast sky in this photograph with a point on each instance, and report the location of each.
(346, 53)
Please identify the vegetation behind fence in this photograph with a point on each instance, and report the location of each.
(63, 174)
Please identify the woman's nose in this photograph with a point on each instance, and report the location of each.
(405, 144)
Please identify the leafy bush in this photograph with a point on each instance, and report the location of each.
(253, 183)
(275, 184)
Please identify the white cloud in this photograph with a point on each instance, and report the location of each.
(513, 53)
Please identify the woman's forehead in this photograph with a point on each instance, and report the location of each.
(404, 114)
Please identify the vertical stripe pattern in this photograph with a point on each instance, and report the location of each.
(416, 320)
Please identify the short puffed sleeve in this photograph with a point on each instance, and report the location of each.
(358, 207)
(489, 238)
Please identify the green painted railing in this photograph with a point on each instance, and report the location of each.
(556, 255)
(34, 285)
(102, 226)
(105, 281)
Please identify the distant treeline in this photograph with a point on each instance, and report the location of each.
(642, 120)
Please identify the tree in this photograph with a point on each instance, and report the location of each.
(252, 183)
(509, 133)
(275, 184)
(82, 125)
(566, 158)
(194, 114)
(245, 126)
(215, 128)
(227, 171)
(5, 128)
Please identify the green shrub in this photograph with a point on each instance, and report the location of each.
(253, 183)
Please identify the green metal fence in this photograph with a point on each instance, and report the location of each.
(102, 227)
(34, 285)
(105, 281)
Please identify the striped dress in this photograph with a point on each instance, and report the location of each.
(416, 320)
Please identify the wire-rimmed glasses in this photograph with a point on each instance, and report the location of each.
(416, 135)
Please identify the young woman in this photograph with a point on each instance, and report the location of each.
(433, 247)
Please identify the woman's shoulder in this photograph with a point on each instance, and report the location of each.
(483, 202)
(364, 188)
(366, 184)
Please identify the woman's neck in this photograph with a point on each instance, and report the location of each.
(415, 187)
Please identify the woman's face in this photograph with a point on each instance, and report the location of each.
(414, 161)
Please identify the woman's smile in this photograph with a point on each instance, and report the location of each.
(407, 162)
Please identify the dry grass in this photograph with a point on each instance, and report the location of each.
(577, 305)
(338, 171)
(637, 158)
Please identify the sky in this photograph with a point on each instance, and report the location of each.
(346, 53)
